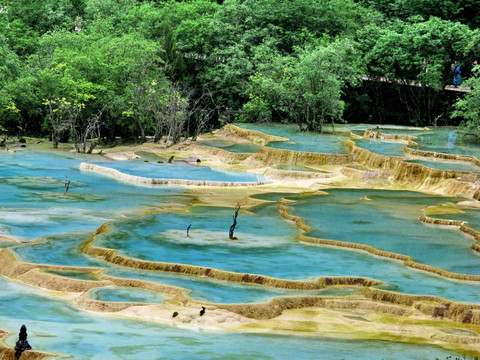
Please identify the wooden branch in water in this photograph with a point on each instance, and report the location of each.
(232, 228)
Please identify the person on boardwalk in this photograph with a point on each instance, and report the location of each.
(472, 67)
(453, 65)
(457, 77)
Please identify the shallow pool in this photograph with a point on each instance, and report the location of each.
(328, 142)
(33, 205)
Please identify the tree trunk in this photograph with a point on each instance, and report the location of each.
(54, 139)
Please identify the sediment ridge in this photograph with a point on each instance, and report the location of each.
(381, 301)
(177, 293)
(275, 307)
(225, 156)
(433, 306)
(292, 174)
(253, 136)
(447, 182)
(118, 175)
(34, 274)
(437, 155)
(86, 303)
(445, 222)
(371, 159)
(419, 177)
(268, 156)
(384, 136)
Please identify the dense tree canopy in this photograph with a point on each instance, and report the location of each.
(96, 69)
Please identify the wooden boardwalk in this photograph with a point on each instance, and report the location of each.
(464, 89)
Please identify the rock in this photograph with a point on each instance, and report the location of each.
(22, 343)
(190, 159)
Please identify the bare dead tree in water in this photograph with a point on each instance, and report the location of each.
(67, 185)
(232, 228)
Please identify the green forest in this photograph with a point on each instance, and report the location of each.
(76, 70)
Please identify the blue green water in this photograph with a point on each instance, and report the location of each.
(56, 325)
(377, 223)
(32, 205)
(229, 146)
(382, 147)
(125, 294)
(178, 170)
(447, 165)
(33, 181)
(328, 142)
(282, 256)
(447, 140)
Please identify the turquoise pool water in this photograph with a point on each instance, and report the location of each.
(56, 325)
(447, 165)
(229, 146)
(382, 147)
(447, 140)
(282, 256)
(328, 142)
(125, 294)
(178, 170)
(378, 223)
(32, 205)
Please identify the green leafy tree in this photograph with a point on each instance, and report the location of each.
(467, 108)
(464, 11)
(10, 69)
(306, 90)
(415, 58)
